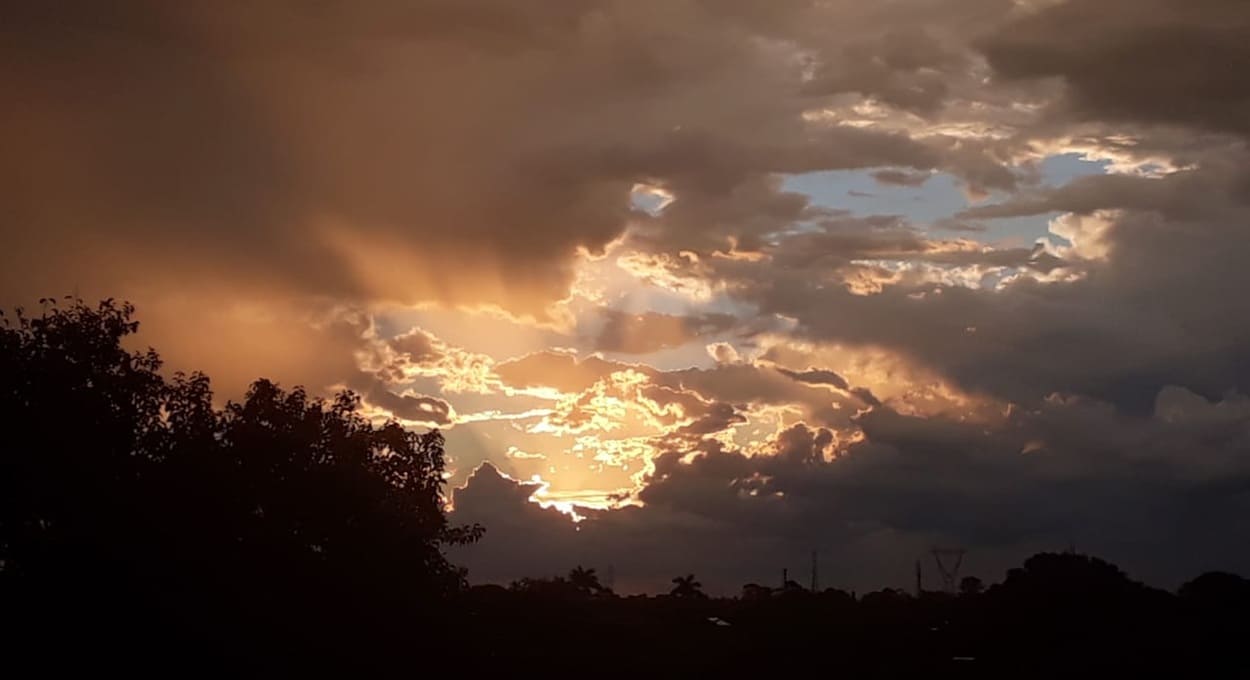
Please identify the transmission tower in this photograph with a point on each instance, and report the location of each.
(948, 561)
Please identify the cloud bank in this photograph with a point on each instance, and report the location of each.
(728, 281)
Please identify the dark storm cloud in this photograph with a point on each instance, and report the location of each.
(1208, 193)
(718, 418)
(171, 141)
(1176, 62)
(415, 151)
(421, 409)
(259, 176)
(816, 377)
(842, 241)
(1118, 348)
(644, 548)
(743, 383)
(1137, 298)
(865, 395)
(1162, 495)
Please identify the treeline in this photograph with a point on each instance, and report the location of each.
(140, 524)
(144, 530)
(1058, 615)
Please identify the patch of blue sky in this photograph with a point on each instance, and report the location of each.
(647, 200)
(939, 198)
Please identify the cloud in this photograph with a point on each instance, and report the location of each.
(718, 418)
(417, 346)
(320, 153)
(651, 331)
(1074, 471)
(310, 194)
(557, 370)
(293, 157)
(412, 408)
(723, 353)
(1124, 300)
(816, 377)
(900, 178)
(957, 225)
(1149, 62)
(1182, 195)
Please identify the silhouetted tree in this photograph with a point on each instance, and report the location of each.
(1217, 588)
(131, 507)
(687, 586)
(557, 588)
(1215, 605)
(886, 597)
(586, 581)
(755, 592)
(970, 586)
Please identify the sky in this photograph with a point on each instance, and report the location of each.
(689, 286)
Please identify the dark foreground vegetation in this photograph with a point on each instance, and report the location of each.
(144, 531)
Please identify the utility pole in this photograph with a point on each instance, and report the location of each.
(919, 587)
(785, 577)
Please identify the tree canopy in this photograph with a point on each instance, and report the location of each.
(122, 490)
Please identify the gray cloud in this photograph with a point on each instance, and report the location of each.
(652, 331)
(712, 395)
(1162, 495)
(1149, 61)
(816, 377)
(422, 409)
(321, 152)
(900, 178)
(1190, 194)
(418, 346)
(303, 164)
(1143, 306)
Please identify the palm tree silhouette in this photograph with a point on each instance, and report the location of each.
(687, 586)
(586, 581)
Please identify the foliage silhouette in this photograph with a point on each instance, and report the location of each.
(686, 586)
(586, 581)
(580, 584)
(283, 519)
